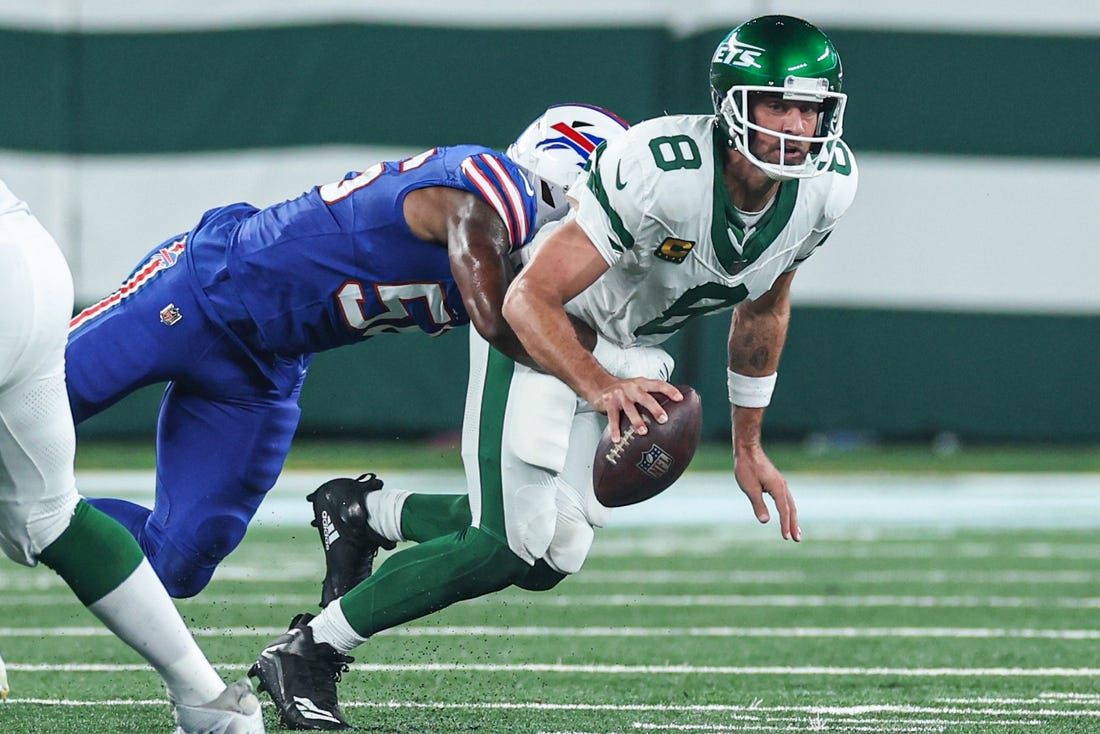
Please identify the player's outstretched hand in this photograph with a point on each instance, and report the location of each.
(628, 397)
(757, 476)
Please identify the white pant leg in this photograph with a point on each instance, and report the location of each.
(37, 439)
(527, 437)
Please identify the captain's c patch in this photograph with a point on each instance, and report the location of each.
(673, 250)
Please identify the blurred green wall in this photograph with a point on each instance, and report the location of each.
(876, 369)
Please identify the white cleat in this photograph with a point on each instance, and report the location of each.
(3, 681)
(235, 711)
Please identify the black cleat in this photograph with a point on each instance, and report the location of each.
(301, 675)
(340, 516)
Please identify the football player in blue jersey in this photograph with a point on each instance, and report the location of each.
(230, 313)
(43, 518)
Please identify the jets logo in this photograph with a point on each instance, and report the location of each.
(735, 53)
(673, 250)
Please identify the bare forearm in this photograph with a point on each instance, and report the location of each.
(758, 331)
(498, 332)
(553, 339)
(756, 341)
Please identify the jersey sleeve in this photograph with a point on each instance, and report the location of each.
(505, 189)
(610, 199)
(844, 179)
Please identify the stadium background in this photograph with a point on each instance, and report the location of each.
(958, 296)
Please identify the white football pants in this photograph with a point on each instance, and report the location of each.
(528, 445)
(37, 439)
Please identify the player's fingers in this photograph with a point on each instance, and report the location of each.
(644, 394)
(613, 422)
(796, 531)
(630, 409)
(756, 497)
(788, 514)
(660, 386)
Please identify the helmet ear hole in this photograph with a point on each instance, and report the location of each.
(547, 194)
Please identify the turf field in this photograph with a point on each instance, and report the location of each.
(966, 603)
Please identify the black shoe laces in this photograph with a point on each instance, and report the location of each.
(326, 669)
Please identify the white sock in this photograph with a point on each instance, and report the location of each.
(332, 628)
(384, 512)
(141, 613)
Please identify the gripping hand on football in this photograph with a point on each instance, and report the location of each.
(624, 397)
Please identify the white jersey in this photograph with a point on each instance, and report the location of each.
(655, 205)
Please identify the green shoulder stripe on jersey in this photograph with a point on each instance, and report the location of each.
(726, 222)
(595, 185)
(94, 555)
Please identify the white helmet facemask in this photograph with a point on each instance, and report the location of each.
(734, 109)
(554, 149)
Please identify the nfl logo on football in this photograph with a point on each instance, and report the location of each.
(655, 462)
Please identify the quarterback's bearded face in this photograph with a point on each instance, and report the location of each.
(790, 117)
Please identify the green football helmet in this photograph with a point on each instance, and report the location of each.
(779, 54)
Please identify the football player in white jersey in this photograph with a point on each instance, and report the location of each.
(689, 215)
(42, 518)
(678, 217)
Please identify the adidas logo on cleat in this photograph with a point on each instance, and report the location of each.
(328, 530)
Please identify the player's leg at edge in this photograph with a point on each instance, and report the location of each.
(120, 588)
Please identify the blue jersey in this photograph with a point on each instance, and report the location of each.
(339, 264)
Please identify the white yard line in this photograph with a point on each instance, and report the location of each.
(243, 572)
(815, 600)
(720, 601)
(805, 670)
(751, 717)
(979, 633)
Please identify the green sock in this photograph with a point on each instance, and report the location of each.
(94, 555)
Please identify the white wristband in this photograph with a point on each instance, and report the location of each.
(750, 392)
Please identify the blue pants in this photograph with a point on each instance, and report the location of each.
(224, 429)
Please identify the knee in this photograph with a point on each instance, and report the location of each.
(498, 565)
(27, 528)
(540, 577)
(573, 538)
(182, 574)
(530, 515)
(186, 568)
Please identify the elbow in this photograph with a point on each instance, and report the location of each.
(513, 302)
(494, 330)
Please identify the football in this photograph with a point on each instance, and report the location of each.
(639, 467)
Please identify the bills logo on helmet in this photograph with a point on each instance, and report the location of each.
(736, 53)
(571, 138)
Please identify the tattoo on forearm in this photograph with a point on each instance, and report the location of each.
(760, 358)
